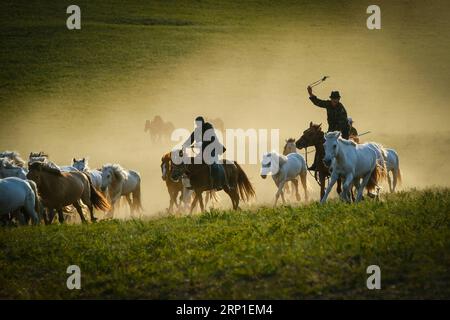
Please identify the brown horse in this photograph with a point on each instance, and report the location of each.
(59, 189)
(315, 137)
(239, 188)
(173, 187)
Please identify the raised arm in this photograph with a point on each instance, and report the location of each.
(316, 101)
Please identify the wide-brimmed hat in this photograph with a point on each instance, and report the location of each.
(335, 95)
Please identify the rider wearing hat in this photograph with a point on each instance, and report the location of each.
(336, 113)
(205, 135)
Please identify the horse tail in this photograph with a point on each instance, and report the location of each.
(397, 172)
(244, 186)
(378, 174)
(97, 198)
(37, 200)
(137, 204)
(36, 195)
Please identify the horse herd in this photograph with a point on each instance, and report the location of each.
(38, 189)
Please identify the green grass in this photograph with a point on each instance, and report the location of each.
(289, 252)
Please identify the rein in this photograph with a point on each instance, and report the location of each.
(307, 168)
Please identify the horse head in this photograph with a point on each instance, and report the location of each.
(112, 174)
(331, 147)
(270, 164)
(311, 136)
(166, 164)
(80, 164)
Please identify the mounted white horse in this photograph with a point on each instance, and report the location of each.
(120, 182)
(352, 162)
(17, 194)
(283, 169)
(96, 175)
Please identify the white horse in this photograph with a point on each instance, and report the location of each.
(17, 194)
(14, 157)
(393, 165)
(96, 175)
(283, 169)
(352, 162)
(120, 182)
(9, 169)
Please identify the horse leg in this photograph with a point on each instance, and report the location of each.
(130, 203)
(339, 186)
(322, 178)
(305, 185)
(295, 189)
(363, 186)
(200, 199)
(194, 203)
(51, 215)
(389, 181)
(279, 193)
(345, 195)
(77, 206)
(60, 216)
(394, 179)
(333, 179)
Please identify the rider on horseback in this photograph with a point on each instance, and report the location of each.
(336, 115)
(211, 149)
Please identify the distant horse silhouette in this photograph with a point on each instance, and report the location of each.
(158, 129)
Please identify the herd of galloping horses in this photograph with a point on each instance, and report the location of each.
(38, 189)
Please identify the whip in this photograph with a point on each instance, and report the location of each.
(315, 83)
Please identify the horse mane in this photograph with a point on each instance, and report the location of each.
(348, 142)
(282, 158)
(6, 163)
(14, 157)
(119, 172)
(167, 157)
(47, 166)
(38, 154)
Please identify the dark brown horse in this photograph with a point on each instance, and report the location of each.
(173, 187)
(59, 189)
(239, 188)
(315, 137)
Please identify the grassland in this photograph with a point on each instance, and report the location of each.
(290, 252)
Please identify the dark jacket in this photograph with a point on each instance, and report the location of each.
(196, 136)
(336, 116)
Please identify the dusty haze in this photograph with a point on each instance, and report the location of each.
(393, 82)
